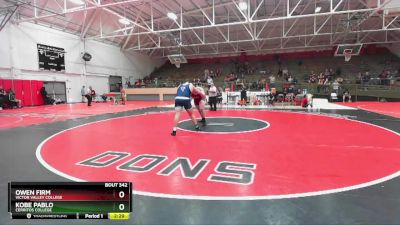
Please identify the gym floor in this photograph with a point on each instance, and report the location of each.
(337, 166)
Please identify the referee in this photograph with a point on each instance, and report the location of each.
(212, 95)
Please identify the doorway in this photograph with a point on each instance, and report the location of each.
(56, 91)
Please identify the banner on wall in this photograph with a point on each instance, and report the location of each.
(51, 58)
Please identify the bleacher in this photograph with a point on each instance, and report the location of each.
(299, 67)
(375, 64)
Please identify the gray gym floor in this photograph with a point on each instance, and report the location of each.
(378, 204)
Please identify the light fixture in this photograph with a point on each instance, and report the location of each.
(124, 21)
(77, 2)
(318, 9)
(172, 16)
(243, 5)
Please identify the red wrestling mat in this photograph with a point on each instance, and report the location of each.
(26, 116)
(291, 155)
(386, 108)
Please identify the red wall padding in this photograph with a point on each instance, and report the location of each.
(7, 84)
(37, 98)
(28, 91)
(18, 90)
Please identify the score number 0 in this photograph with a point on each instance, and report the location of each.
(121, 194)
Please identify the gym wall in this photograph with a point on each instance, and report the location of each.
(19, 59)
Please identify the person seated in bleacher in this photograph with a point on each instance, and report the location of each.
(212, 74)
(46, 99)
(340, 80)
(304, 102)
(313, 78)
(12, 101)
(227, 78)
(3, 96)
(346, 96)
(366, 78)
(272, 80)
(271, 98)
(92, 92)
(321, 79)
(218, 72)
(128, 83)
(290, 79)
(335, 86)
(123, 95)
(219, 95)
(104, 97)
(138, 83)
(243, 96)
(209, 81)
(279, 73)
(2, 91)
(285, 72)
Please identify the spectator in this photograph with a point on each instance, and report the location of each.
(272, 81)
(83, 93)
(219, 95)
(279, 72)
(331, 73)
(335, 86)
(138, 83)
(2, 91)
(218, 72)
(346, 96)
(340, 80)
(46, 99)
(234, 77)
(93, 92)
(294, 80)
(43, 93)
(3, 97)
(206, 74)
(227, 78)
(321, 79)
(243, 97)
(88, 95)
(326, 85)
(239, 82)
(209, 80)
(270, 98)
(11, 98)
(290, 79)
(246, 67)
(313, 78)
(359, 78)
(304, 101)
(156, 82)
(123, 96)
(367, 77)
(285, 72)
(327, 73)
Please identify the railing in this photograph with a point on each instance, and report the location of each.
(358, 91)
